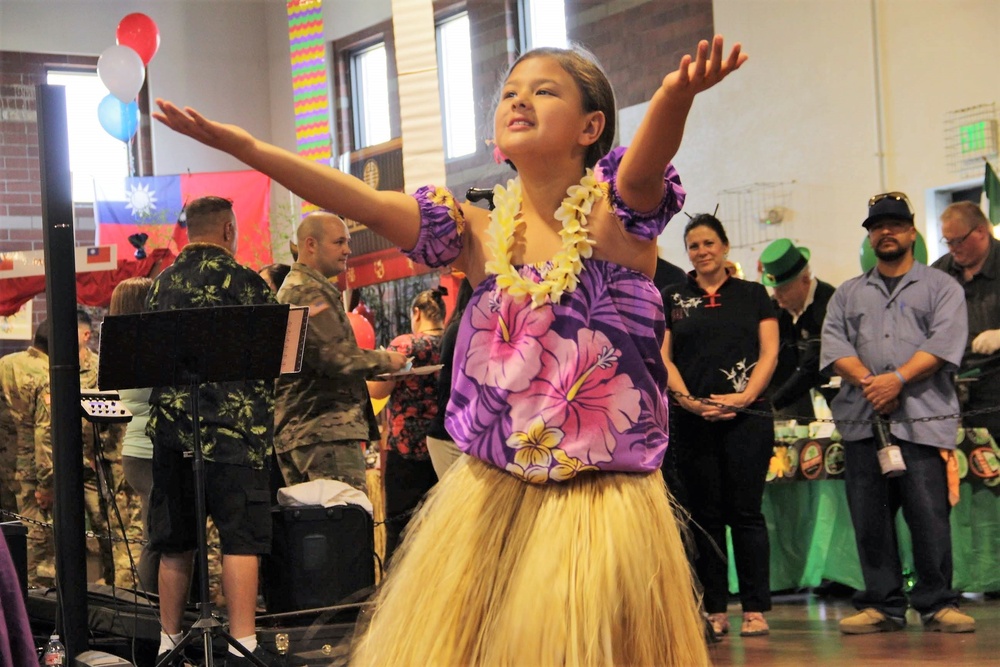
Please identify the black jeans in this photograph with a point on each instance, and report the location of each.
(406, 482)
(874, 500)
(722, 467)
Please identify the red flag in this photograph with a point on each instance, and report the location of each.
(251, 195)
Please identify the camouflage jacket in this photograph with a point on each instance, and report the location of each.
(328, 400)
(25, 421)
(237, 418)
(111, 435)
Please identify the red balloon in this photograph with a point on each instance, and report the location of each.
(139, 32)
(363, 331)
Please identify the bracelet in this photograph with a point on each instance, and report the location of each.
(900, 376)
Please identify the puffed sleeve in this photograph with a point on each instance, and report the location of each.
(648, 224)
(442, 227)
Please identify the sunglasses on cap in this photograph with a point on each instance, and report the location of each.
(898, 196)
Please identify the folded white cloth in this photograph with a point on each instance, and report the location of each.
(324, 492)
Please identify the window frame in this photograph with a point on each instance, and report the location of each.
(447, 125)
(526, 33)
(139, 148)
(360, 101)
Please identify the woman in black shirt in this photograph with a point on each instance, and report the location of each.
(721, 343)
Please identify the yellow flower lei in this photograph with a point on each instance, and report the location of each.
(567, 264)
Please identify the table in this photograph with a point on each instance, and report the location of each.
(809, 523)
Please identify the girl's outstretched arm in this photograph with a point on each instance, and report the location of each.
(393, 215)
(640, 177)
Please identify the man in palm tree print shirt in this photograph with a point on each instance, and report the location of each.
(237, 424)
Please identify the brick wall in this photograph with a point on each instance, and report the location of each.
(20, 182)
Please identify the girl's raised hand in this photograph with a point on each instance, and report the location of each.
(706, 70)
(228, 138)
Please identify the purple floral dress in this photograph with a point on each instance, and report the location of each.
(549, 392)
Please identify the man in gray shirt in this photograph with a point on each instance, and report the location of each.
(895, 335)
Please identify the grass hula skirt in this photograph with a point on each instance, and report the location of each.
(496, 571)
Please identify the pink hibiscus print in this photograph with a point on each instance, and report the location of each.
(579, 391)
(504, 350)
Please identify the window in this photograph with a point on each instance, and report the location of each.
(455, 81)
(93, 153)
(370, 81)
(543, 23)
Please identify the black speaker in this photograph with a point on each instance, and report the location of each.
(100, 659)
(319, 557)
(16, 535)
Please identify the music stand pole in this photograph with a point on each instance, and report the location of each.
(191, 347)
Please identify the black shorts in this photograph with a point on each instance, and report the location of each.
(236, 497)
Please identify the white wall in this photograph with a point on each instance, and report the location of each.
(804, 109)
(346, 17)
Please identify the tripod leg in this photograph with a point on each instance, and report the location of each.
(239, 647)
(168, 658)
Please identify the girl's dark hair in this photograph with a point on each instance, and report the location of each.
(461, 301)
(706, 220)
(595, 90)
(276, 274)
(430, 303)
(129, 296)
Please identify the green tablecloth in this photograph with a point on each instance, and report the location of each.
(812, 538)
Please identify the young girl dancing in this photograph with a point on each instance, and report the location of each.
(554, 542)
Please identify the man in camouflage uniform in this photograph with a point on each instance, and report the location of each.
(236, 433)
(114, 561)
(114, 555)
(323, 414)
(25, 430)
(96, 507)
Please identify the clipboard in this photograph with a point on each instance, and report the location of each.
(295, 339)
(419, 370)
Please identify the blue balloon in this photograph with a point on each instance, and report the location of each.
(118, 119)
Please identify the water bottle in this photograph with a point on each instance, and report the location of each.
(890, 458)
(55, 652)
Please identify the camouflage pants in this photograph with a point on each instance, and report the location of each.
(341, 460)
(8, 482)
(94, 507)
(41, 547)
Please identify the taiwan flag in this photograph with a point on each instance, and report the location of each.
(153, 205)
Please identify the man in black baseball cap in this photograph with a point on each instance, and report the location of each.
(890, 212)
(895, 335)
(888, 206)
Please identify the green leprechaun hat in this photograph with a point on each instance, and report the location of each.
(782, 261)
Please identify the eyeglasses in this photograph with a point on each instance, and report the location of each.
(954, 243)
(898, 196)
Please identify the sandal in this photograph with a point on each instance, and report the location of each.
(754, 625)
(719, 623)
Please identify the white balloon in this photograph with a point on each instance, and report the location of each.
(121, 71)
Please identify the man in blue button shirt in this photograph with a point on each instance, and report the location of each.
(895, 335)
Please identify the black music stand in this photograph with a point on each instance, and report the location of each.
(191, 347)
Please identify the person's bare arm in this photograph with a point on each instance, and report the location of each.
(658, 137)
(391, 214)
